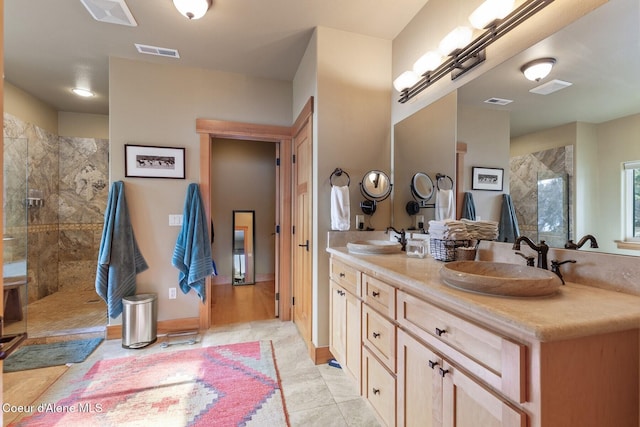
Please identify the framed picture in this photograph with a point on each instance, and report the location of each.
(487, 179)
(145, 161)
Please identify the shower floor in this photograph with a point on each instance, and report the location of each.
(63, 313)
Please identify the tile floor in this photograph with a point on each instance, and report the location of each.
(315, 395)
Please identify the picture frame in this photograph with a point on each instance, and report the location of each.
(148, 161)
(489, 179)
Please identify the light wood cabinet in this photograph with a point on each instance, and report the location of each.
(379, 388)
(345, 341)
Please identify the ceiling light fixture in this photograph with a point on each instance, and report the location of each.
(85, 93)
(461, 59)
(490, 11)
(538, 69)
(192, 9)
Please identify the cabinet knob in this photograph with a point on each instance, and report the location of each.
(376, 334)
(375, 294)
(376, 391)
(432, 364)
(342, 275)
(440, 332)
(443, 372)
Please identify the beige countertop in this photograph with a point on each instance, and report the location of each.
(575, 311)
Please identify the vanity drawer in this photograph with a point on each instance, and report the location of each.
(379, 334)
(497, 360)
(347, 276)
(379, 295)
(379, 388)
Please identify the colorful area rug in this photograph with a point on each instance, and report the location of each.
(52, 354)
(229, 385)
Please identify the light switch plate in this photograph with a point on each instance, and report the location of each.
(175, 220)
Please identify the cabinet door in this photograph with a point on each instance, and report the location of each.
(353, 337)
(379, 388)
(337, 326)
(419, 384)
(467, 404)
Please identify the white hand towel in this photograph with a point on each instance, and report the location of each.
(444, 205)
(340, 208)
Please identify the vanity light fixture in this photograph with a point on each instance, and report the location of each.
(490, 11)
(85, 93)
(538, 69)
(192, 9)
(406, 80)
(464, 58)
(458, 38)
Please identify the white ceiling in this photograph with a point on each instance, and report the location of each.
(53, 45)
(599, 54)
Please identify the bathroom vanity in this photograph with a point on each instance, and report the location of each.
(426, 354)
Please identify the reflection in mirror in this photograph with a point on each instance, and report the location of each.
(597, 116)
(243, 270)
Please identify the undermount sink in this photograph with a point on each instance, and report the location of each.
(498, 278)
(373, 247)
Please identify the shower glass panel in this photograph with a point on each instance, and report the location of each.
(14, 236)
(243, 270)
(553, 208)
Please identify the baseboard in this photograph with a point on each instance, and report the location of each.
(163, 327)
(319, 355)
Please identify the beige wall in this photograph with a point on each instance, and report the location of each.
(486, 133)
(352, 132)
(83, 125)
(29, 108)
(243, 178)
(155, 104)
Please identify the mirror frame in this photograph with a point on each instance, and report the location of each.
(381, 179)
(414, 186)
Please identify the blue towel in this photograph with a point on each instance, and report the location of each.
(508, 230)
(119, 259)
(192, 254)
(468, 207)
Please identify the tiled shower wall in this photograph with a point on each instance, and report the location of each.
(63, 236)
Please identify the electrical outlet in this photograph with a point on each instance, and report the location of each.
(172, 293)
(175, 220)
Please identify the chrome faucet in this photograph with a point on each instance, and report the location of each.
(402, 239)
(588, 237)
(542, 249)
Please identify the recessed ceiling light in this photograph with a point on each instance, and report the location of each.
(85, 93)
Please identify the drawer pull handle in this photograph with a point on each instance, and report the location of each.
(342, 275)
(341, 293)
(376, 391)
(432, 364)
(440, 332)
(443, 372)
(375, 294)
(376, 334)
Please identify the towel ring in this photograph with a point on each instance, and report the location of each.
(440, 176)
(338, 172)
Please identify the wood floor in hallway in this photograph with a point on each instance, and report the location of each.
(245, 303)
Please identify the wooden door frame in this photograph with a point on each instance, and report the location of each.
(281, 135)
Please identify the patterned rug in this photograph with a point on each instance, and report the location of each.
(229, 385)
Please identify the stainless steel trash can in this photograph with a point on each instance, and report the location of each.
(139, 319)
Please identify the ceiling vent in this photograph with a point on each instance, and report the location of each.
(110, 11)
(498, 101)
(550, 87)
(158, 51)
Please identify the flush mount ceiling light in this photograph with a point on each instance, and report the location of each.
(192, 9)
(85, 93)
(538, 69)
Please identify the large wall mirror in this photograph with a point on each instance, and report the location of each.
(243, 268)
(583, 132)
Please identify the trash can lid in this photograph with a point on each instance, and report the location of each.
(139, 299)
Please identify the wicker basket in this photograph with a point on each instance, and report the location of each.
(445, 250)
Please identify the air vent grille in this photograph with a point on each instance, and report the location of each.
(550, 87)
(158, 51)
(110, 11)
(498, 101)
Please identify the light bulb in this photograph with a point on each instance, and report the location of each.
(456, 39)
(405, 80)
(427, 62)
(489, 11)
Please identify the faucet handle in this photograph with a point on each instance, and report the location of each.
(530, 259)
(555, 267)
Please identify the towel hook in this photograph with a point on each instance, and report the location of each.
(440, 176)
(338, 172)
